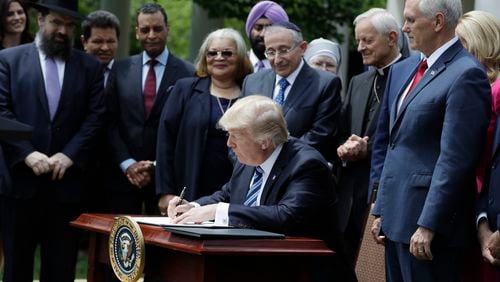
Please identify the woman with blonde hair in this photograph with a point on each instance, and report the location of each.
(479, 32)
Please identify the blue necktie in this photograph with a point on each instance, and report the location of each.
(253, 192)
(52, 86)
(280, 98)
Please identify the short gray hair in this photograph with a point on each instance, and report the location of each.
(383, 21)
(297, 36)
(260, 116)
(452, 10)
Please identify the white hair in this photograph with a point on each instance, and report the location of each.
(383, 21)
(452, 10)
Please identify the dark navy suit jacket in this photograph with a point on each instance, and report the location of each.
(298, 197)
(489, 200)
(312, 107)
(182, 140)
(432, 146)
(132, 135)
(72, 130)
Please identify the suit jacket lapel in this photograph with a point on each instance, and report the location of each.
(245, 179)
(70, 75)
(402, 79)
(430, 74)
(298, 90)
(278, 166)
(168, 78)
(268, 83)
(35, 70)
(136, 87)
(496, 140)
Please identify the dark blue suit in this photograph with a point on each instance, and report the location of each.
(432, 147)
(489, 200)
(183, 142)
(36, 209)
(298, 198)
(312, 107)
(131, 134)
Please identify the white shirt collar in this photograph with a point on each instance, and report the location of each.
(381, 70)
(436, 54)
(268, 164)
(162, 58)
(110, 64)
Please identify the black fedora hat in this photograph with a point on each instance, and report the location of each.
(65, 7)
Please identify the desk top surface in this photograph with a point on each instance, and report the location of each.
(156, 235)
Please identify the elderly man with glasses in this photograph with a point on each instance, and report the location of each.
(310, 98)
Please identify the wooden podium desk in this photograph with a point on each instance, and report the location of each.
(179, 258)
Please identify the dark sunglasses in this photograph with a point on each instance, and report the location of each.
(224, 54)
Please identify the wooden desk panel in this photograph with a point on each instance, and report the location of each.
(179, 258)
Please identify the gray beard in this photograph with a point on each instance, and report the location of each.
(53, 48)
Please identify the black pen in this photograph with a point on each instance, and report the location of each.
(181, 198)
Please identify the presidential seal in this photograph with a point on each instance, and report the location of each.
(126, 249)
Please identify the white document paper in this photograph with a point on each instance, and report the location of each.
(167, 221)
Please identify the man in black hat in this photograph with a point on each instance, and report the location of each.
(58, 91)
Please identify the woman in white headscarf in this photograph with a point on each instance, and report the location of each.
(323, 54)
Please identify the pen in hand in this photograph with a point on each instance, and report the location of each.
(181, 198)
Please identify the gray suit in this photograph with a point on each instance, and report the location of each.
(312, 107)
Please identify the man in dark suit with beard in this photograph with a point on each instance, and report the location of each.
(58, 91)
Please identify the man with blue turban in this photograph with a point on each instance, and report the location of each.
(263, 14)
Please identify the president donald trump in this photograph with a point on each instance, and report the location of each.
(279, 183)
(429, 138)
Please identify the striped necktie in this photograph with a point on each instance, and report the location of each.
(150, 88)
(280, 98)
(253, 192)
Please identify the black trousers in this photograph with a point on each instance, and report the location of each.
(129, 199)
(27, 223)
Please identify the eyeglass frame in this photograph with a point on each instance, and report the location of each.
(281, 53)
(219, 53)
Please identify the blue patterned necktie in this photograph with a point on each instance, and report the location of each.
(280, 98)
(253, 192)
(52, 86)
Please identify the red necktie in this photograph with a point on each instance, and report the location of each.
(150, 88)
(422, 67)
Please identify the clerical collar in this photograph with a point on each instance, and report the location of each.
(383, 70)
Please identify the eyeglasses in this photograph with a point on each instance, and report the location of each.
(271, 53)
(225, 54)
